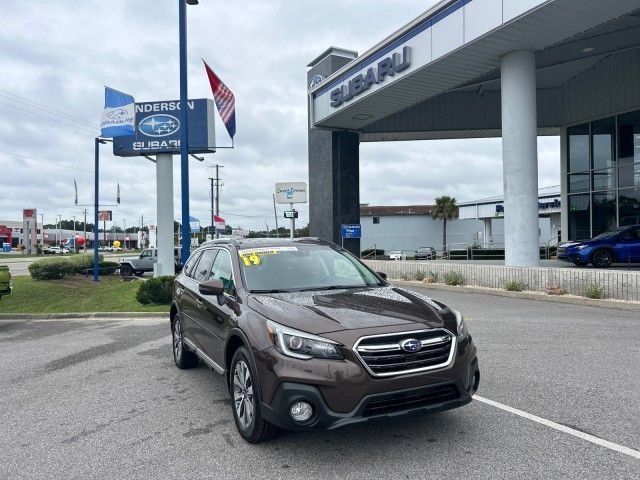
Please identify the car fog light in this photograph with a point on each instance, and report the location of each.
(301, 411)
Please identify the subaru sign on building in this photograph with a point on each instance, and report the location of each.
(157, 129)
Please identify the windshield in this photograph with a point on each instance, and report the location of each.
(610, 234)
(302, 267)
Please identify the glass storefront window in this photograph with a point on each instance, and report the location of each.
(604, 212)
(603, 143)
(579, 217)
(629, 202)
(603, 179)
(578, 148)
(578, 182)
(629, 150)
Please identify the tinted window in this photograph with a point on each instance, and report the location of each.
(191, 263)
(223, 270)
(578, 148)
(146, 253)
(201, 272)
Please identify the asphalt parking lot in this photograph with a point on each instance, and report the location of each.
(102, 399)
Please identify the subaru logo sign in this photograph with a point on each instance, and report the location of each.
(411, 345)
(316, 80)
(160, 125)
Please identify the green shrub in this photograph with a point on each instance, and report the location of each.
(108, 268)
(594, 291)
(50, 269)
(157, 290)
(82, 262)
(513, 285)
(453, 278)
(420, 275)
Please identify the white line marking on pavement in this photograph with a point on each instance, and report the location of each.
(557, 426)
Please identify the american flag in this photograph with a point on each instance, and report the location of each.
(225, 101)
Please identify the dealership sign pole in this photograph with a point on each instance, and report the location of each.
(291, 192)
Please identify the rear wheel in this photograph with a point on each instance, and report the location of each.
(245, 400)
(183, 357)
(602, 258)
(126, 270)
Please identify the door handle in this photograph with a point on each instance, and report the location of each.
(179, 291)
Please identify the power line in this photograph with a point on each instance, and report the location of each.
(93, 132)
(42, 106)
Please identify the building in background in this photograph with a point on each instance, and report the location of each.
(409, 227)
(490, 211)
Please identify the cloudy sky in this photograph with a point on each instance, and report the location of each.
(56, 56)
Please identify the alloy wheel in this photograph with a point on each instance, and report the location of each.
(243, 394)
(177, 339)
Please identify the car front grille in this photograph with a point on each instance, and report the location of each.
(400, 401)
(383, 355)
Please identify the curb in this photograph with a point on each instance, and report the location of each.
(541, 297)
(80, 315)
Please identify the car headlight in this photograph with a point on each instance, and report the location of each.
(580, 247)
(297, 344)
(463, 332)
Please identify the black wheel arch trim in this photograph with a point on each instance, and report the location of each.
(236, 332)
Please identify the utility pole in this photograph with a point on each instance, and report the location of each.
(217, 196)
(215, 182)
(275, 214)
(213, 223)
(75, 246)
(42, 228)
(125, 233)
(84, 245)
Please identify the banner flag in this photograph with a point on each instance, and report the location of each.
(225, 101)
(219, 223)
(119, 114)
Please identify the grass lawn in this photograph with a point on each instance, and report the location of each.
(75, 294)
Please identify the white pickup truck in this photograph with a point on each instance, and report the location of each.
(144, 263)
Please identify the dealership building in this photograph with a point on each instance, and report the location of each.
(514, 69)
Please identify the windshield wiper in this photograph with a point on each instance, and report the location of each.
(330, 287)
(269, 291)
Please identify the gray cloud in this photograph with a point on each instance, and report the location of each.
(60, 54)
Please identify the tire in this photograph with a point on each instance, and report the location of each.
(602, 258)
(183, 357)
(245, 400)
(126, 270)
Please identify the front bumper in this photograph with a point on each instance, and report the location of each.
(429, 398)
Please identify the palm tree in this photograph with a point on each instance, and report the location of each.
(445, 209)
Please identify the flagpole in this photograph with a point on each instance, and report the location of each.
(96, 277)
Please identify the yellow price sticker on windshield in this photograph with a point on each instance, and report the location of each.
(250, 260)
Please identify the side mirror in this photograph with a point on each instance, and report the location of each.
(382, 274)
(211, 287)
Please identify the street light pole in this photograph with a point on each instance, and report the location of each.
(184, 127)
(75, 247)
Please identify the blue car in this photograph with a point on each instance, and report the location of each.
(620, 245)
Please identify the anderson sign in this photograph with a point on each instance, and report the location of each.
(157, 129)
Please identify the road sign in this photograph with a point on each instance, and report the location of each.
(291, 192)
(353, 230)
(104, 215)
(290, 214)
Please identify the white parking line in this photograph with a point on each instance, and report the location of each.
(576, 433)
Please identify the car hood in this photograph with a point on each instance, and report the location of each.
(322, 311)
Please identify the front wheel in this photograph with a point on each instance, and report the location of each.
(602, 259)
(245, 400)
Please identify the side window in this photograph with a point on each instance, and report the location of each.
(201, 271)
(191, 262)
(146, 253)
(222, 269)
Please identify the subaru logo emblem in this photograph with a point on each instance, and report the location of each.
(316, 80)
(411, 345)
(159, 125)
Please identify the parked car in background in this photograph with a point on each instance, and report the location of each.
(5, 281)
(307, 336)
(144, 262)
(55, 250)
(397, 255)
(619, 245)
(425, 253)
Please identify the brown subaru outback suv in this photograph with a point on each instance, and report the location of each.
(307, 336)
